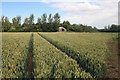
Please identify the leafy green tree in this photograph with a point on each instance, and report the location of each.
(31, 22)
(50, 23)
(18, 22)
(114, 27)
(2, 22)
(31, 19)
(56, 21)
(44, 18)
(66, 24)
(39, 24)
(95, 29)
(25, 24)
(3, 19)
(26, 21)
(56, 18)
(50, 19)
(5, 24)
(44, 22)
(14, 24)
(39, 21)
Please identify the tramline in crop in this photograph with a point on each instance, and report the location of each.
(88, 49)
(14, 55)
(55, 55)
(52, 63)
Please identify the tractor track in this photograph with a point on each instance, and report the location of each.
(30, 68)
(30, 57)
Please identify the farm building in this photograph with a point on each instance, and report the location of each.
(62, 29)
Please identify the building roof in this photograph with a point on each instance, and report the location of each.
(61, 27)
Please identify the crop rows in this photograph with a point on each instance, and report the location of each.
(74, 55)
(49, 62)
(14, 55)
(88, 49)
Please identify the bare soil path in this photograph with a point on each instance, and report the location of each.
(113, 64)
(30, 68)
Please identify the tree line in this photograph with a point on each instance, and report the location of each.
(46, 24)
(43, 23)
(112, 28)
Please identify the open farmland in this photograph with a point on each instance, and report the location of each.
(52, 63)
(14, 54)
(55, 55)
(88, 49)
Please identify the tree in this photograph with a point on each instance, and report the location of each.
(114, 28)
(105, 28)
(39, 24)
(39, 20)
(14, 21)
(31, 19)
(50, 23)
(95, 29)
(28, 24)
(5, 24)
(50, 19)
(18, 22)
(44, 18)
(2, 22)
(44, 22)
(56, 18)
(31, 22)
(56, 22)
(25, 24)
(3, 19)
(26, 21)
(66, 24)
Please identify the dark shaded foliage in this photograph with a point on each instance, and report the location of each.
(48, 24)
(112, 28)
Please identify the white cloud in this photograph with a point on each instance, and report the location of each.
(46, 1)
(76, 7)
(91, 12)
(67, 1)
(98, 13)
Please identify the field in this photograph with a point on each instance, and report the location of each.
(14, 55)
(55, 55)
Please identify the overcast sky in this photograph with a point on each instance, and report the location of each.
(96, 13)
